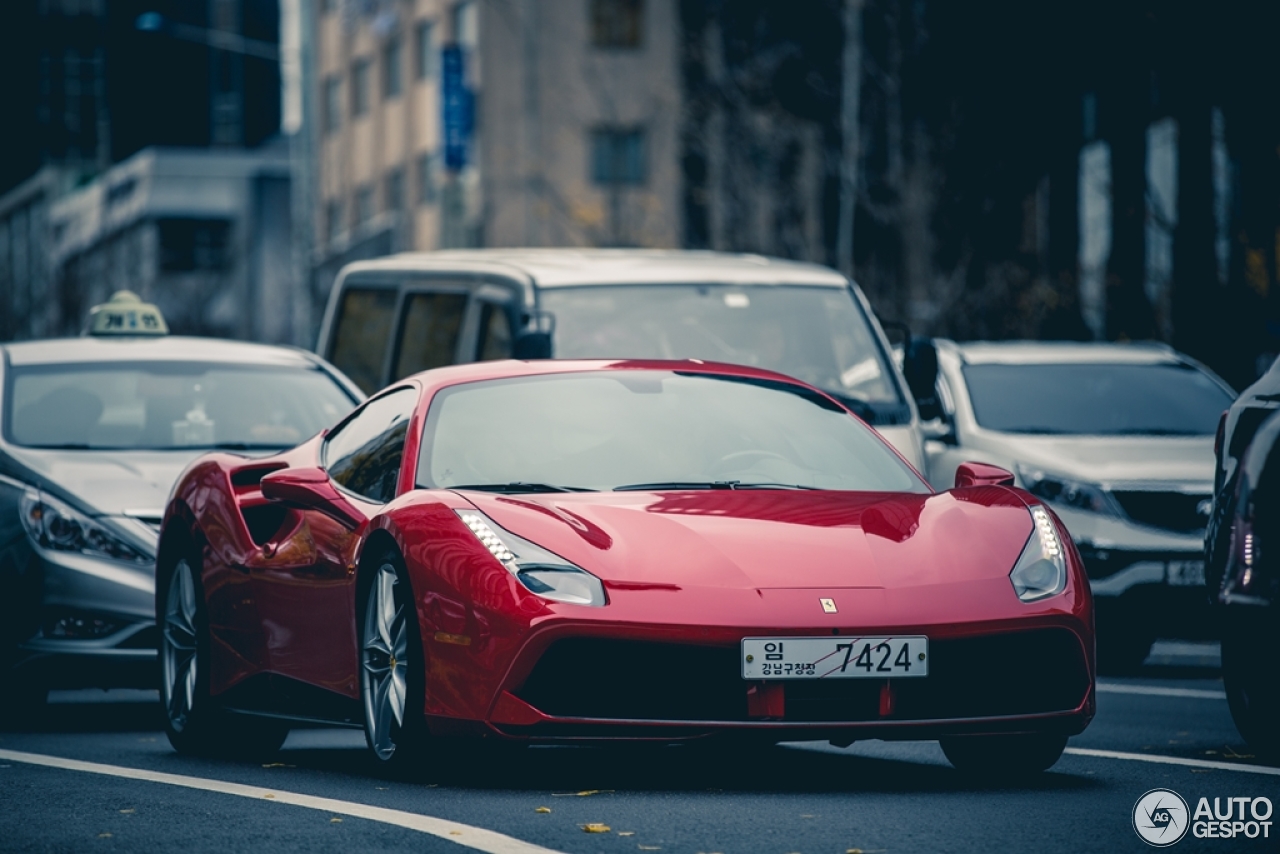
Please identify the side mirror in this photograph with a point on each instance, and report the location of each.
(311, 489)
(920, 367)
(974, 474)
(532, 345)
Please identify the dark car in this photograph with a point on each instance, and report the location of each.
(94, 432)
(1247, 564)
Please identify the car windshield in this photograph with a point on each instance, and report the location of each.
(657, 429)
(1166, 398)
(169, 405)
(816, 334)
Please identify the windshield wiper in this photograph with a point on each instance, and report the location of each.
(860, 406)
(677, 484)
(706, 484)
(517, 486)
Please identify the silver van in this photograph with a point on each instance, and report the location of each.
(391, 317)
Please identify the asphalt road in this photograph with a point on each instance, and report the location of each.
(1167, 727)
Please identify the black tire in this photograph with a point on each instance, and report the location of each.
(400, 747)
(1003, 756)
(25, 703)
(1252, 682)
(194, 722)
(1124, 637)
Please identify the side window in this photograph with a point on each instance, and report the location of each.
(429, 331)
(364, 456)
(495, 333)
(360, 333)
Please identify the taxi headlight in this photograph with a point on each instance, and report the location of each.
(541, 572)
(56, 526)
(1041, 570)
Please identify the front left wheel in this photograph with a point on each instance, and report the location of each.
(392, 670)
(193, 721)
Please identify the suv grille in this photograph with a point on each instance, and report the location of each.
(1172, 511)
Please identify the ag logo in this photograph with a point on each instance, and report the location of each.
(1160, 817)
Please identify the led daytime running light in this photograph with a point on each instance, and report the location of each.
(488, 537)
(1048, 534)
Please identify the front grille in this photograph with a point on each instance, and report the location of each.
(1011, 674)
(1184, 512)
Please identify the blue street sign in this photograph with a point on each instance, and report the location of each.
(457, 103)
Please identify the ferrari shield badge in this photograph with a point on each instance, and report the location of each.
(828, 606)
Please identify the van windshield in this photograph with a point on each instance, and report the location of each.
(816, 334)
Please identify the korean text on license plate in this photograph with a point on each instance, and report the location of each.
(835, 658)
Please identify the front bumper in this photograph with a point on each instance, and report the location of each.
(1003, 670)
(95, 625)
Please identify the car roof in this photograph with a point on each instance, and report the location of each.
(1059, 352)
(451, 375)
(552, 268)
(169, 348)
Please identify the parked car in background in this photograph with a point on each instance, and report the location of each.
(1118, 438)
(95, 431)
(1242, 558)
(554, 551)
(392, 317)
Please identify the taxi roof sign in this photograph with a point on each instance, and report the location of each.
(126, 314)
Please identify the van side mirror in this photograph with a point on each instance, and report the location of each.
(532, 345)
(920, 367)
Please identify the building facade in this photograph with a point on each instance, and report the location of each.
(561, 129)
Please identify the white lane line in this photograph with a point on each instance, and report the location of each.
(1174, 760)
(478, 838)
(1157, 691)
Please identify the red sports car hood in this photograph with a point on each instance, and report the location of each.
(770, 539)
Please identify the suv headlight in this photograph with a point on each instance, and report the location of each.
(56, 526)
(541, 572)
(1041, 570)
(1057, 489)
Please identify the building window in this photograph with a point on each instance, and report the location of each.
(394, 195)
(187, 245)
(360, 87)
(617, 156)
(428, 178)
(424, 38)
(333, 220)
(364, 206)
(392, 81)
(332, 103)
(616, 23)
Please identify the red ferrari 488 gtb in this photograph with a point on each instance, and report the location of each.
(566, 551)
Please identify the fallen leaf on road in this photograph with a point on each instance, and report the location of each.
(381, 788)
(649, 847)
(268, 796)
(583, 794)
(543, 809)
(335, 820)
(626, 833)
(278, 765)
(595, 827)
(128, 810)
(104, 835)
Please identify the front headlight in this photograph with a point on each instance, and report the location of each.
(56, 526)
(1062, 490)
(1041, 570)
(540, 571)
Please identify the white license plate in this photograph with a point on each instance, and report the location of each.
(1185, 573)
(835, 657)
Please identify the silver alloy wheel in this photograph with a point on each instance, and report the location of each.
(383, 671)
(178, 646)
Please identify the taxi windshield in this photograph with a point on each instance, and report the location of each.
(816, 334)
(168, 405)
